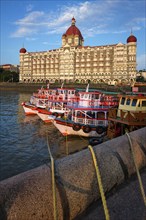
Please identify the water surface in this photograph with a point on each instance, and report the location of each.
(23, 139)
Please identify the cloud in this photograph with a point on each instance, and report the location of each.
(28, 25)
(98, 17)
(23, 32)
(31, 19)
(137, 23)
(85, 13)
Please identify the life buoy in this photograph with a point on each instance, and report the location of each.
(95, 141)
(76, 127)
(86, 128)
(100, 129)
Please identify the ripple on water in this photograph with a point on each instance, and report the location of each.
(24, 138)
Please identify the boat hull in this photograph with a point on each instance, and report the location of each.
(67, 129)
(30, 110)
(45, 117)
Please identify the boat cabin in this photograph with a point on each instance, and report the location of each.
(89, 116)
(65, 93)
(131, 103)
(89, 99)
(130, 115)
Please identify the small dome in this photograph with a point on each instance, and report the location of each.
(131, 39)
(22, 50)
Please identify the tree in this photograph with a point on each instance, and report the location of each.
(140, 79)
(8, 76)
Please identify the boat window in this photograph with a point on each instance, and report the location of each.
(128, 102)
(134, 101)
(90, 114)
(143, 103)
(122, 101)
(100, 115)
(96, 96)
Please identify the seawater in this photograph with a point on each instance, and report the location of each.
(23, 139)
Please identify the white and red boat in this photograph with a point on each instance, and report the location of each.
(57, 109)
(89, 122)
(46, 98)
(88, 117)
(44, 115)
(30, 109)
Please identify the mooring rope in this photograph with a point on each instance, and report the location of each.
(53, 182)
(106, 212)
(137, 170)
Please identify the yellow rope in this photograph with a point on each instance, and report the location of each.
(137, 170)
(106, 212)
(53, 182)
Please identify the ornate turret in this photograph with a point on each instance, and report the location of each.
(131, 39)
(22, 50)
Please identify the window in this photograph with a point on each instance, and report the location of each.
(100, 115)
(122, 101)
(134, 101)
(143, 103)
(128, 102)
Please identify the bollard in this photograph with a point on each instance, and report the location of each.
(29, 194)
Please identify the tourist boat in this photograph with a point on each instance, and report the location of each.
(88, 117)
(45, 98)
(130, 115)
(57, 95)
(57, 109)
(89, 122)
(31, 109)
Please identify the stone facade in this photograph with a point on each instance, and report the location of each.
(74, 62)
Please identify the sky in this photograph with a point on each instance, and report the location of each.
(38, 25)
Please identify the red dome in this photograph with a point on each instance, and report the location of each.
(22, 50)
(73, 30)
(131, 39)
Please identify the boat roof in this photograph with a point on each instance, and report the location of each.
(139, 96)
(66, 89)
(96, 108)
(92, 92)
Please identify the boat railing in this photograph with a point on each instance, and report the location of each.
(92, 121)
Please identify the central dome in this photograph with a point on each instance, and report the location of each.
(73, 30)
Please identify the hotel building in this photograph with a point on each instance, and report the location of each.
(74, 62)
